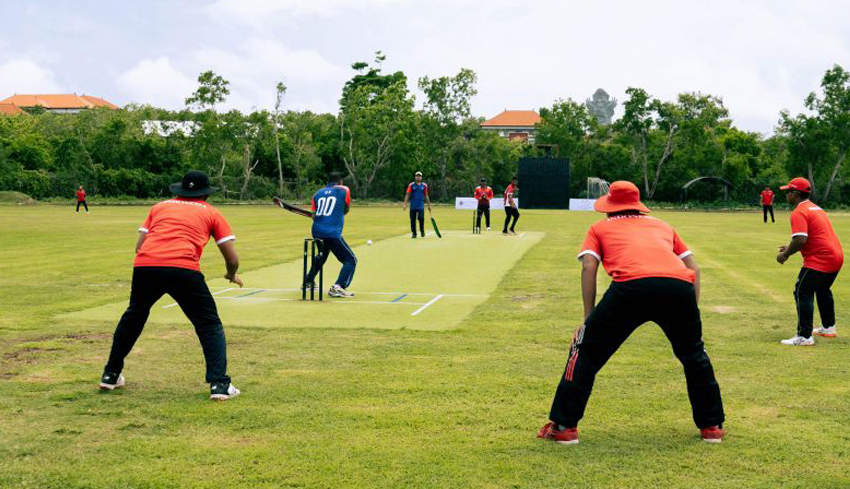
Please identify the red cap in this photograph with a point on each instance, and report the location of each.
(798, 183)
(622, 196)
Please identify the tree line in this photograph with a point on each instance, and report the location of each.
(380, 137)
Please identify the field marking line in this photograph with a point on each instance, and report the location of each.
(276, 299)
(402, 296)
(214, 293)
(250, 293)
(426, 305)
(395, 294)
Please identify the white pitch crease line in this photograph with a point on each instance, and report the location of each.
(269, 299)
(432, 294)
(435, 299)
(215, 293)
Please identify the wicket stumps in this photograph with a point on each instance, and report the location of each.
(475, 228)
(316, 248)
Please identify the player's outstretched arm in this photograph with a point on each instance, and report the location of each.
(691, 263)
(231, 261)
(796, 244)
(589, 268)
(141, 240)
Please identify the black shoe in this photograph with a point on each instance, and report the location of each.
(111, 381)
(413, 235)
(222, 391)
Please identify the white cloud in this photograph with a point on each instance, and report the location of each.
(26, 76)
(256, 66)
(156, 82)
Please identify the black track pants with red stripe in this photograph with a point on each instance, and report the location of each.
(670, 303)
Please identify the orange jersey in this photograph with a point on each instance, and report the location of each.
(637, 246)
(822, 251)
(483, 195)
(767, 197)
(177, 231)
(81, 195)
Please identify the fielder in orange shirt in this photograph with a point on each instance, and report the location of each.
(812, 235)
(655, 278)
(168, 254)
(767, 204)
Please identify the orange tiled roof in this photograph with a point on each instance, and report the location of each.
(10, 109)
(58, 101)
(513, 118)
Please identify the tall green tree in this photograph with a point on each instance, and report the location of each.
(376, 115)
(447, 103)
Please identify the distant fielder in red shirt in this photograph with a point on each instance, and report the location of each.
(812, 235)
(767, 203)
(81, 199)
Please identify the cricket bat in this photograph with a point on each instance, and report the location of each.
(292, 208)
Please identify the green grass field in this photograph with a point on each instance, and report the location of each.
(368, 395)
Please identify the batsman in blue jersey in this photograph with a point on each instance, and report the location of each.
(330, 205)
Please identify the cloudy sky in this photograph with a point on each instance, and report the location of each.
(759, 56)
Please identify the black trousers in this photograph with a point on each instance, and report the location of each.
(190, 291)
(809, 284)
(672, 305)
(510, 212)
(83, 202)
(765, 210)
(417, 215)
(483, 210)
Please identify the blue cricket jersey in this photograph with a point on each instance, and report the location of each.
(329, 206)
(417, 192)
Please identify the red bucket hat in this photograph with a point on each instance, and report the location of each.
(622, 196)
(798, 183)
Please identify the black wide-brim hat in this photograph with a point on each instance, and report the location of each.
(194, 184)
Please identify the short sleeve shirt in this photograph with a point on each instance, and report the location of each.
(822, 251)
(632, 247)
(81, 195)
(417, 192)
(509, 194)
(177, 231)
(329, 206)
(767, 197)
(483, 195)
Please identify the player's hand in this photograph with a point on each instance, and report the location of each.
(404, 207)
(783, 249)
(781, 258)
(234, 279)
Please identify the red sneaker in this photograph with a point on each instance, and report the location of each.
(550, 431)
(712, 434)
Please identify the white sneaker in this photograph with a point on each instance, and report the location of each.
(337, 291)
(488, 228)
(799, 341)
(219, 393)
(826, 332)
(110, 382)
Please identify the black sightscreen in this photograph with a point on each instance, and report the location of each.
(544, 183)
